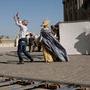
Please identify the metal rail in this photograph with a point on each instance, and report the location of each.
(49, 81)
(38, 82)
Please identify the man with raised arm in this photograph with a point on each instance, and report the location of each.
(22, 24)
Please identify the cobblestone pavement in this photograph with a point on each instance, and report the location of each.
(76, 71)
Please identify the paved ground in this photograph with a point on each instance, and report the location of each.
(4, 50)
(76, 71)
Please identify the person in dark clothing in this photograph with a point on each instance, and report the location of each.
(31, 41)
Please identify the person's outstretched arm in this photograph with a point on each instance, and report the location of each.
(17, 19)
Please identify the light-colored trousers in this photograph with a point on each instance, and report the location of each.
(48, 57)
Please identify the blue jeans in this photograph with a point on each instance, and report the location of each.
(22, 49)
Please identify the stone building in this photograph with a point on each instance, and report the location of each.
(76, 10)
(5, 42)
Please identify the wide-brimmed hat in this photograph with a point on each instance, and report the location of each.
(45, 23)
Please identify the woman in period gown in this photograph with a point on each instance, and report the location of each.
(52, 49)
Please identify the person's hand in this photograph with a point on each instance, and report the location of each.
(17, 15)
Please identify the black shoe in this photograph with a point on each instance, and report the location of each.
(20, 63)
(31, 60)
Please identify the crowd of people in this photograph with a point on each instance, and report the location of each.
(51, 48)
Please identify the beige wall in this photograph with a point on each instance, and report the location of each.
(7, 43)
(75, 37)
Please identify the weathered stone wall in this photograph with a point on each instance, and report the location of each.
(7, 43)
(76, 10)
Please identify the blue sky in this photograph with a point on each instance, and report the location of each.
(35, 11)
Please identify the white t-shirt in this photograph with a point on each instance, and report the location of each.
(23, 29)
